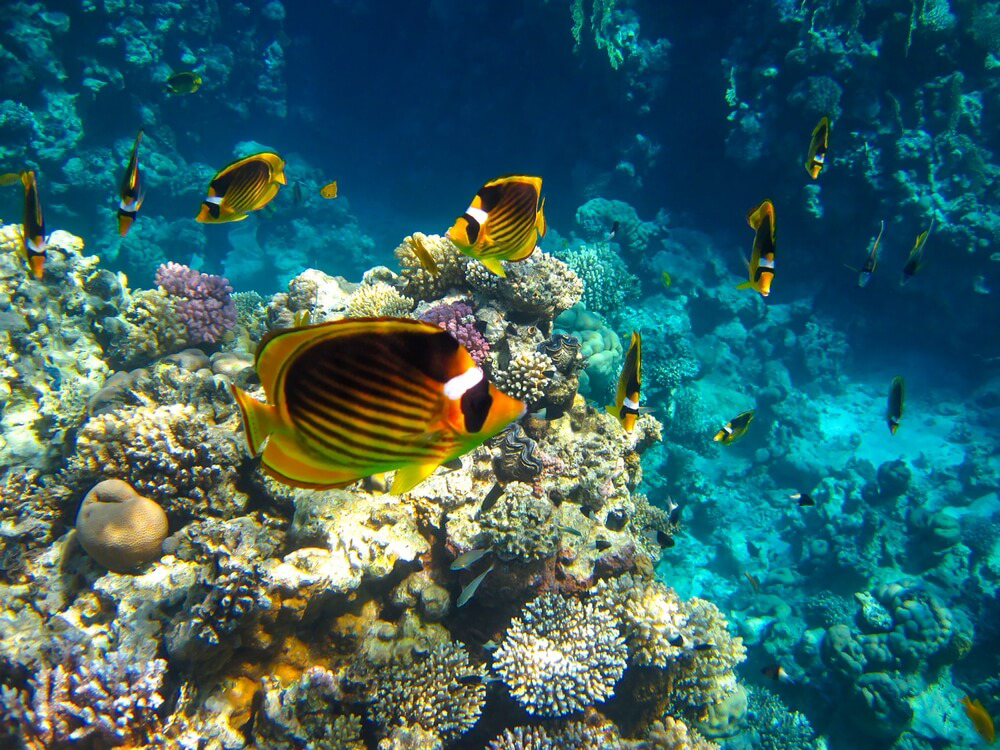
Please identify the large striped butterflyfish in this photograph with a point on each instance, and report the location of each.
(761, 263)
(33, 229)
(245, 185)
(130, 199)
(504, 222)
(818, 145)
(351, 398)
(626, 405)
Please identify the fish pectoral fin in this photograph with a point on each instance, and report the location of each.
(410, 476)
(745, 285)
(494, 265)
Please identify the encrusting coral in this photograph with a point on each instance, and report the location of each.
(561, 655)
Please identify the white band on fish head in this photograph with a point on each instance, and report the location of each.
(478, 214)
(214, 199)
(631, 404)
(455, 388)
(766, 263)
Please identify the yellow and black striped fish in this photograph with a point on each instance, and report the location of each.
(352, 398)
(761, 263)
(131, 192)
(735, 428)
(626, 405)
(245, 185)
(817, 148)
(33, 229)
(504, 222)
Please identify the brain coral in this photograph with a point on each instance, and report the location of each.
(119, 528)
(561, 655)
(440, 692)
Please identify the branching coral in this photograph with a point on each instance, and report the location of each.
(542, 286)
(420, 283)
(607, 283)
(378, 300)
(110, 700)
(459, 320)
(561, 655)
(525, 377)
(440, 692)
(201, 301)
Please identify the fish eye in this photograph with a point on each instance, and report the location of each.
(476, 403)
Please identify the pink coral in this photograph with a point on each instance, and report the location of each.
(457, 319)
(202, 301)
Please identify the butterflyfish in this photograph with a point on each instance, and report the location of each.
(35, 242)
(667, 281)
(131, 196)
(470, 590)
(915, 260)
(817, 148)
(775, 672)
(735, 428)
(865, 275)
(626, 405)
(804, 499)
(351, 398)
(329, 191)
(504, 222)
(761, 263)
(894, 410)
(245, 185)
(613, 232)
(981, 719)
(183, 83)
(423, 255)
(753, 580)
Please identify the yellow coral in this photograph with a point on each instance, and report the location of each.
(377, 300)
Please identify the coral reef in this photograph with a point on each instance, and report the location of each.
(119, 528)
(201, 301)
(458, 319)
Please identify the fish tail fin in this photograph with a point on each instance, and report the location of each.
(745, 285)
(410, 476)
(494, 265)
(259, 419)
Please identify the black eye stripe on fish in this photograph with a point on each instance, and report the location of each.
(472, 228)
(476, 403)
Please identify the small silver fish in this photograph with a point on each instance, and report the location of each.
(570, 530)
(468, 559)
(470, 590)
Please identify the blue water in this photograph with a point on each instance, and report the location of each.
(412, 106)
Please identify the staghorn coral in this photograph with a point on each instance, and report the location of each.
(458, 319)
(378, 300)
(525, 376)
(171, 454)
(561, 655)
(440, 692)
(420, 283)
(119, 528)
(541, 286)
(108, 699)
(201, 301)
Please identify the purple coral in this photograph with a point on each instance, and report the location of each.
(457, 319)
(201, 300)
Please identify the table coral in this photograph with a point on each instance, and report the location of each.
(561, 655)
